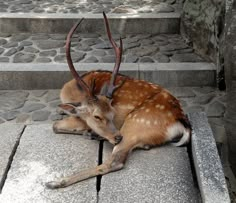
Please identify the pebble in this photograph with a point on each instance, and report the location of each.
(49, 44)
(91, 59)
(23, 118)
(19, 37)
(9, 115)
(216, 109)
(40, 115)
(31, 50)
(52, 95)
(10, 44)
(32, 107)
(186, 57)
(43, 60)
(4, 59)
(48, 53)
(10, 52)
(23, 58)
(146, 59)
(1, 50)
(2, 42)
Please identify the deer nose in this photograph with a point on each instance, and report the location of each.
(118, 139)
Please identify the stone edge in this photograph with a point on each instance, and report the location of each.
(34, 67)
(30, 76)
(88, 16)
(211, 180)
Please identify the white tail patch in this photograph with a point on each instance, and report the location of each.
(178, 129)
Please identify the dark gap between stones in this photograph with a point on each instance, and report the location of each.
(100, 156)
(11, 157)
(193, 171)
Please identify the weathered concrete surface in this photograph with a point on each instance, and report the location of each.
(28, 76)
(159, 175)
(9, 137)
(207, 163)
(43, 156)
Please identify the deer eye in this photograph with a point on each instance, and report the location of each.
(98, 118)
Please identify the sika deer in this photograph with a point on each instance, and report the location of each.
(129, 113)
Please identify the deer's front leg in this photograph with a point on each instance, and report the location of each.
(71, 125)
(114, 163)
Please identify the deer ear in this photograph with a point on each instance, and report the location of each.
(68, 108)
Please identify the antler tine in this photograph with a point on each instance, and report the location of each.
(79, 80)
(118, 51)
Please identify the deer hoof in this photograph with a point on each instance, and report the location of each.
(55, 184)
(118, 139)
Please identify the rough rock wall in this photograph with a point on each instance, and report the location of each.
(230, 76)
(202, 24)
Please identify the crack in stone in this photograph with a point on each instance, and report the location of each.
(100, 161)
(11, 157)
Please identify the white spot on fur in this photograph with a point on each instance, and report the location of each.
(148, 122)
(162, 107)
(165, 95)
(142, 120)
(147, 110)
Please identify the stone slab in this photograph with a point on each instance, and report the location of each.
(9, 138)
(53, 76)
(42, 156)
(179, 74)
(61, 23)
(162, 174)
(207, 163)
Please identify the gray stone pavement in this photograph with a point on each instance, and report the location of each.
(90, 6)
(94, 48)
(148, 170)
(42, 156)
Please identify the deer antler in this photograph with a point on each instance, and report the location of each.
(118, 51)
(83, 86)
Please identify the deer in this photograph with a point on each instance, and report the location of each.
(129, 113)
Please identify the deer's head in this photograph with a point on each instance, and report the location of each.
(95, 110)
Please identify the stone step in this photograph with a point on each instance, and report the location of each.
(53, 76)
(93, 23)
(57, 17)
(162, 58)
(94, 48)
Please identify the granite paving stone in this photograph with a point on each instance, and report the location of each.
(40, 115)
(207, 162)
(29, 107)
(9, 138)
(167, 179)
(43, 156)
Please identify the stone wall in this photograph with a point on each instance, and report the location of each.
(230, 74)
(202, 25)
